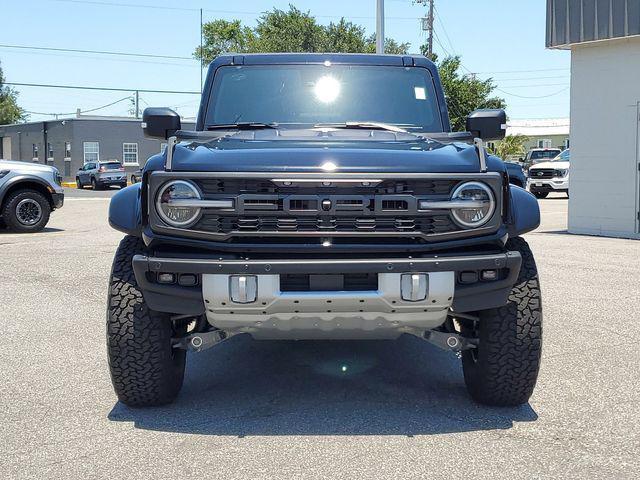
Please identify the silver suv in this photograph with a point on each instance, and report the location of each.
(29, 192)
(101, 174)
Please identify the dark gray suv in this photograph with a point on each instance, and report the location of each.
(101, 174)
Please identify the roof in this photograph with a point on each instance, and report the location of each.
(538, 127)
(573, 22)
(320, 58)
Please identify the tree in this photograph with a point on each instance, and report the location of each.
(289, 31)
(465, 92)
(10, 112)
(221, 36)
(512, 146)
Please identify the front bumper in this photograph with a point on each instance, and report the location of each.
(57, 199)
(549, 185)
(380, 313)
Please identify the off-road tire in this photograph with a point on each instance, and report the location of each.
(145, 369)
(504, 369)
(540, 194)
(10, 215)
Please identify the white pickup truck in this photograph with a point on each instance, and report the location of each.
(552, 176)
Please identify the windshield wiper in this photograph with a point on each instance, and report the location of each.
(364, 126)
(242, 126)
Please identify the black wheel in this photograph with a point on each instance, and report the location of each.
(26, 211)
(503, 370)
(145, 369)
(79, 185)
(540, 194)
(94, 184)
(134, 179)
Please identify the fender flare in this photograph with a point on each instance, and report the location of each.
(524, 211)
(125, 214)
(22, 178)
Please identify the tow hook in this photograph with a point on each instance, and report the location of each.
(198, 342)
(450, 341)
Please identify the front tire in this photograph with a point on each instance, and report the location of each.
(79, 185)
(503, 370)
(94, 184)
(26, 211)
(145, 369)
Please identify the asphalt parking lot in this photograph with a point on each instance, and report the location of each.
(286, 409)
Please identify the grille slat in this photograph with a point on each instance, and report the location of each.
(228, 224)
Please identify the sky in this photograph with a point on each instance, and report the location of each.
(499, 39)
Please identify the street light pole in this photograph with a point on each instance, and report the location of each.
(380, 27)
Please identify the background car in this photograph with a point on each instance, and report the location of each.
(553, 176)
(136, 176)
(516, 174)
(28, 194)
(537, 155)
(101, 174)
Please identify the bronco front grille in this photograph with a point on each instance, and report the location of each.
(350, 207)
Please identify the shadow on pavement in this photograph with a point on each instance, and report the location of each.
(247, 388)
(4, 229)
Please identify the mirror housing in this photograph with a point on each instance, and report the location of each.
(160, 123)
(487, 123)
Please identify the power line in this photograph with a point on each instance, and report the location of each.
(525, 71)
(81, 111)
(229, 12)
(110, 89)
(537, 96)
(100, 52)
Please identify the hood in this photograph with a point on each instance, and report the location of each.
(324, 151)
(24, 166)
(556, 164)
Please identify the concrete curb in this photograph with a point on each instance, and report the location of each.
(73, 184)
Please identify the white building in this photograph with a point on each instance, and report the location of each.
(604, 39)
(541, 133)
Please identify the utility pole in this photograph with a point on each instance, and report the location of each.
(430, 38)
(427, 25)
(137, 104)
(380, 27)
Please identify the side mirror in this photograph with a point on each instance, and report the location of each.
(487, 124)
(160, 122)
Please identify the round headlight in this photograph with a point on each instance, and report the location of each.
(480, 201)
(173, 201)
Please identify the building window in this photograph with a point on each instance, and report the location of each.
(49, 152)
(130, 153)
(91, 151)
(35, 152)
(544, 143)
(566, 143)
(67, 149)
(491, 146)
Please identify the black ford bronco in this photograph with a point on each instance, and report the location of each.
(324, 196)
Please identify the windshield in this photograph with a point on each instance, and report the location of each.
(539, 154)
(309, 95)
